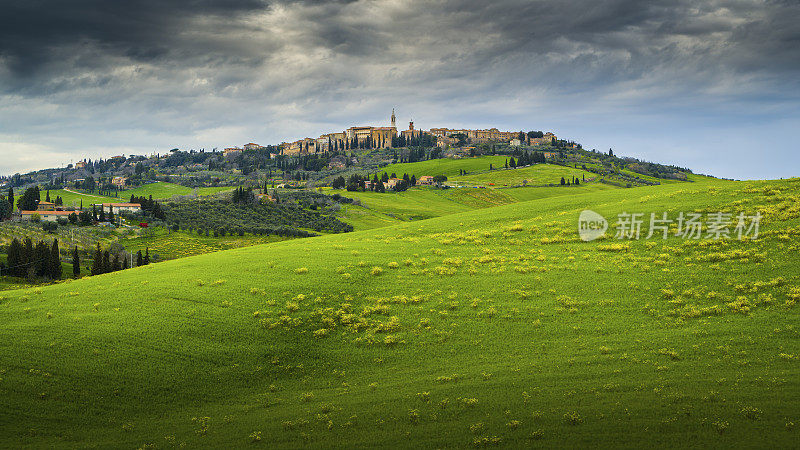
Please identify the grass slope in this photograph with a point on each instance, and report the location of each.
(495, 326)
(444, 166)
(164, 190)
(159, 190)
(536, 175)
(424, 202)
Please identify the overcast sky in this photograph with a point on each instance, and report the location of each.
(713, 86)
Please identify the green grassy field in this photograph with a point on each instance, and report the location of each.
(536, 175)
(163, 190)
(489, 327)
(74, 198)
(180, 244)
(159, 190)
(419, 203)
(444, 166)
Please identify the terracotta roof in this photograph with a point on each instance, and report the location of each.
(46, 203)
(47, 213)
(123, 204)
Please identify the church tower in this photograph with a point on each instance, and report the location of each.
(393, 118)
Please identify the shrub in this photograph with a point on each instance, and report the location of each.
(573, 418)
(376, 271)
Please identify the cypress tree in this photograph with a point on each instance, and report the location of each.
(76, 262)
(106, 262)
(14, 258)
(97, 264)
(146, 256)
(47, 199)
(139, 260)
(26, 257)
(115, 264)
(42, 259)
(11, 197)
(125, 262)
(55, 261)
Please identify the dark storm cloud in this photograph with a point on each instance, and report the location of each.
(607, 41)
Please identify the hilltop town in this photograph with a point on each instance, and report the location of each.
(388, 137)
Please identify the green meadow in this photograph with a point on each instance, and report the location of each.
(164, 190)
(445, 166)
(159, 190)
(535, 175)
(421, 202)
(494, 326)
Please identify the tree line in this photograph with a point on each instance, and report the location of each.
(106, 261)
(26, 259)
(149, 206)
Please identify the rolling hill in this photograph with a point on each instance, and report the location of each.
(496, 326)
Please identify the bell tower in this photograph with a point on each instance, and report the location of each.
(393, 118)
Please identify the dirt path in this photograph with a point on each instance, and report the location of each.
(81, 193)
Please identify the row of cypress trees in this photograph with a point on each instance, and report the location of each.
(28, 260)
(106, 262)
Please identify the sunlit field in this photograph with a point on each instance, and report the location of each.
(495, 326)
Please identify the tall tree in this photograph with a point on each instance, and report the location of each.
(97, 263)
(76, 262)
(55, 261)
(139, 260)
(29, 201)
(42, 261)
(28, 254)
(13, 259)
(146, 256)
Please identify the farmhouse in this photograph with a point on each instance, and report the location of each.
(251, 146)
(425, 179)
(46, 206)
(119, 181)
(338, 162)
(49, 216)
(231, 151)
(120, 207)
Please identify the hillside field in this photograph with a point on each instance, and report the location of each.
(497, 326)
(424, 202)
(535, 175)
(159, 190)
(444, 166)
(164, 190)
